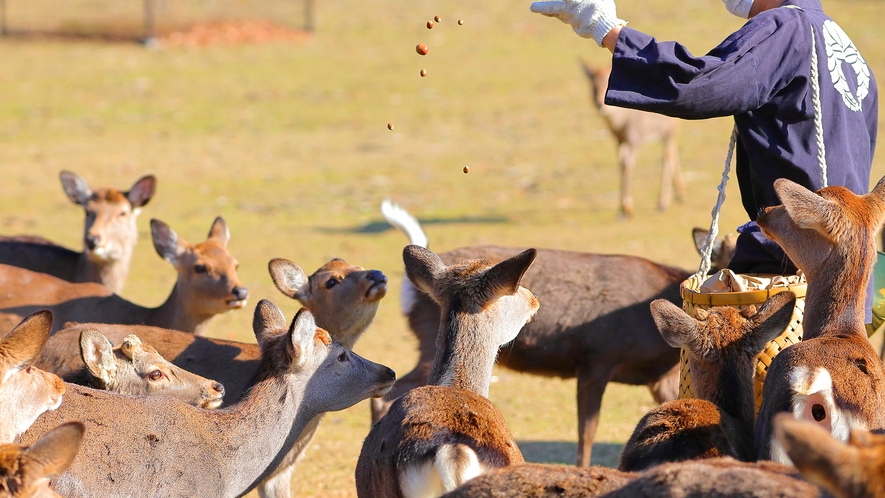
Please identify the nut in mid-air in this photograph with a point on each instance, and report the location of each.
(422, 49)
(466, 169)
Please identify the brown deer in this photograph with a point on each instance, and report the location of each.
(833, 377)
(438, 436)
(632, 129)
(575, 334)
(25, 391)
(25, 472)
(137, 368)
(109, 236)
(156, 443)
(342, 297)
(207, 285)
(723, 344)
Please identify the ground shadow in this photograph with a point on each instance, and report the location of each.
(382, 226)
(73, 36)
(605, 454)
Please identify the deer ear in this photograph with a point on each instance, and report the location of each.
(504, 278)
(289, 278)
(219, 232)
(21, 348)
(303, 333)
(422, 267)
(267, 321)
(75, 186)
(807, 209)
(876, 202)
(676, 327)
(142, 191)
(166, 241)
(98, 355)
(699, 235)
(770, 321)
(53, 453)
(819, 458)
(131, 345)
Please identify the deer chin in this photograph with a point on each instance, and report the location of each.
(236, 304)
(102, 254)
(211, 404)
(383, 390)
(377, 291)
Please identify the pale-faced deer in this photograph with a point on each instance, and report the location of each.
(723, 344)
(156, 443)
(25, 472)
(207, 285)
(436, 437)
(25, 391)
(109, 235)
(632, 129)
(575, 334)
(833, 377)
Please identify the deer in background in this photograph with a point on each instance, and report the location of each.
(436, 437)
(723, 344)
(207, 285)
(575, 334)
(25, 391)
(174, 449)
(343, 299)
(632, 128)
(833, 377)
(109, 236)
(25, 472)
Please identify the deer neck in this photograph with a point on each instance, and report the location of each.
(463, 359)
(111, 273)
(730, 388)
(835, 302)
(175, 314)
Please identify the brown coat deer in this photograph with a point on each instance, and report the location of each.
(109, 236)
(577, 333)
(723, 344)
(436, 437)
(156, 443)
(207, 285)
(833, 377)
(25, 391)
(25, 472)
(632, 129)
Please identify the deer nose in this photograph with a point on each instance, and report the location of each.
(376, 276)
(219, 388)
(390, 373)
(92, 241)
(241, 293)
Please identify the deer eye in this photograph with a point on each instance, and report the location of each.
(155, 375)
(331, 283)
(342, 357)
(200, 268)
(122, 214)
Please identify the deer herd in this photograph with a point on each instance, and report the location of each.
(101, 397)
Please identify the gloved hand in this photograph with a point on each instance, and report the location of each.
(589, 18)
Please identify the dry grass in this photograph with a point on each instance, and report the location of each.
(289, 143)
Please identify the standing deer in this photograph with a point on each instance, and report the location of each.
(156, 443)
(25, 391)
(723, 344)
(438, 436)
(632, 129)
(343, 299)
(25, 472)
(833, 377)
(109, 235)
(207, 285)
(595, 325)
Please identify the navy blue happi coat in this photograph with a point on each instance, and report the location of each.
(761, 75)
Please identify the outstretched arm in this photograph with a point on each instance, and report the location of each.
(588, 18)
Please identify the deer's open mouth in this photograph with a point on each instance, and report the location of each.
(383, 390)
(236, 303)
(376, 291)
(212, 404)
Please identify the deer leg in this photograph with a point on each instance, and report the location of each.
(591, 386)
(671, 162)
(626, 156)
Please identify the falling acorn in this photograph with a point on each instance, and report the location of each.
(429, 24)
(422, 49)
(460, 21)
(437, 18)
(389, 126)
(423, 73)
(466, 169)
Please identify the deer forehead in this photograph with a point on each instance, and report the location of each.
(211, 251)
(339, 267)
(108, 196)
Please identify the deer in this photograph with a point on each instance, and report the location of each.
(575, 334)
(723, 343)
(175, 449)
(109, 236)
(207, 285)
(26, 392)
(833, 377)
(342, 297)
(632, 128)
(438, 436)
(26, 471)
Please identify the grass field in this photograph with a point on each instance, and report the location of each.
(289, 144)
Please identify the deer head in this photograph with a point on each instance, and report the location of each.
(25, 472)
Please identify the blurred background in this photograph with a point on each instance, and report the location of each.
(274, 115)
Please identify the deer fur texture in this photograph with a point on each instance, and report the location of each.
(438, 436)
(632, 128)
(833, 377)
(723, 343)
(25, 472)
(174, 449)
(110, 233)
(207, 285)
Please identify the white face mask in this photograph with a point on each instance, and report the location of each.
(740, 8)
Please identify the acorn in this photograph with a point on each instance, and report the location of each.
(460, 21)
(429, 24)
(466, 169)
(389, 126)
(423, 73)
(422, 49)
(437, 18)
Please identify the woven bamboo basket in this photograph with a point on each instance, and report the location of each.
(693, 298)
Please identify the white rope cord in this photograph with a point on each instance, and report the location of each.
(707, 253)
(818, 124)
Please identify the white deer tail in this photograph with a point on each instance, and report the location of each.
(404, 222)
(453, 465)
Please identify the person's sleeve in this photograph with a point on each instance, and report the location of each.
(741, 74)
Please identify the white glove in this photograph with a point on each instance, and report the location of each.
(589, 18)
